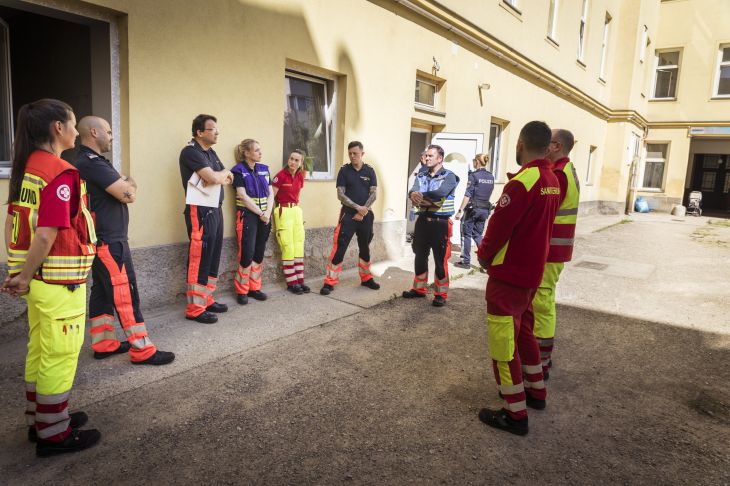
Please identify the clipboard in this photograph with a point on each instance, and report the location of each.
(199, 194)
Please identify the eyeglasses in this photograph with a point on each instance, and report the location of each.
(210, 129)
(555, 141)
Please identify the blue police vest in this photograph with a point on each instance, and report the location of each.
(427, 183)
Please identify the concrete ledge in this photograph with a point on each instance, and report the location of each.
(161, 270)
(588, 208)
(661, 204)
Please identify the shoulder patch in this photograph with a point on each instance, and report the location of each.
(528, 177)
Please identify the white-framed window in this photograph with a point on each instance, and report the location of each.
(722, 73)
(582, 31)
(6, 98)
(655, 162)
(426, 93)
(591, 161)
(644, 44)
(495, 146)
(553, 20)
(604, 47)
(309, 121)
(666, 73)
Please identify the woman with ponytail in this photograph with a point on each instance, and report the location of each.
(49, 235)
(254, 203)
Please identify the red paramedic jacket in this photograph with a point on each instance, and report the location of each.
(517, 241)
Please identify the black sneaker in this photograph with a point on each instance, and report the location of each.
(438, 301)
(545, 374)
(371, 284)
(123, 348)
(204, 318)
(462, 265)
(295, 289)
(242, 299)
(258, 295)
(412, 294)
(535, 403)
(159, 358)
(78, 419)
(77, 440)
(500, 419)
(326, 289)
(217, 307)
(305, 288)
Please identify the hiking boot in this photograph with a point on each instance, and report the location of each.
(123, 348)
(258, 295)
(500, 419)
(159, 358)
(326, 289)
(242, 299)
(78, 419)
(295, 289)
(204, 318)
(438, 301)
(305, 288)
(462, 265)
(217, 307)
(77, 440)
(412, 294)
(535, 403)
(371, 284)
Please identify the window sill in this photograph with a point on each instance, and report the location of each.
(720, 98)
(652, 190)
(552, 42)
(662, 99)
(580, 64)
(514, 11)
(319, 177)
(428, 109)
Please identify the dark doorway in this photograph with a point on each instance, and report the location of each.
(418, 142)
(712, 178)
(51, 54)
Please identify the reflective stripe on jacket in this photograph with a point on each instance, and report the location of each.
(561, 241)
(438, 186)
(73, 250)
(256, 182)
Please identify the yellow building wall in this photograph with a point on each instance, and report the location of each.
(675, 171)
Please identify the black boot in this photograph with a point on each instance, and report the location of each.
(257, 294)
(500, 419)
(204, 318)
(371, 284)
(123, 348)
(217, 307)
(78, 419)
(78, 440)
(159, 358)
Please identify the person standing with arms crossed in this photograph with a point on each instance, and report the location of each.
(356, 189)
(115, 283)
(433, 196)
(254, 203)
(561, 244)
(514, 251)
(475, 207)
(49, 235)
(286, 186)
(204, 224)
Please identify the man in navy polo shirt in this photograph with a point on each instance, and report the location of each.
(115, 283)
(356, 189)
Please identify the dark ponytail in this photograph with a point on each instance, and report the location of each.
(33, 129)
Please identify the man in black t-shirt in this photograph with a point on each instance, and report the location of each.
(356, 190)
(115, 283)
(204, 224)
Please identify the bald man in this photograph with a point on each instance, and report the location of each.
(115, 284)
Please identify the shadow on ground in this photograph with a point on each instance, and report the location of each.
(390, 396)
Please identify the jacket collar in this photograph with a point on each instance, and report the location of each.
(539, 163)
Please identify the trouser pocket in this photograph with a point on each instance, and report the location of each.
(501, 331)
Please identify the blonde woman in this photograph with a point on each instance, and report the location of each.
(289, 223)
(475, 207)
(254, 203)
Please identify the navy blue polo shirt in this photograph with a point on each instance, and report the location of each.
(193, 158)
(357, 183)
(111, 215)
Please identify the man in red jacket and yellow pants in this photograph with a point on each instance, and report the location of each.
(514, 251)
(561, 244)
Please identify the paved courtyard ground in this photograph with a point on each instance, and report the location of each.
(363, 387)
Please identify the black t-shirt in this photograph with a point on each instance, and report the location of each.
(193, 158)
(357, 183)
(112, 215)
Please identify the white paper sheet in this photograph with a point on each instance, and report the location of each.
(199, 195)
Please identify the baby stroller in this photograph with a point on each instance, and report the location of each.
(695, 203)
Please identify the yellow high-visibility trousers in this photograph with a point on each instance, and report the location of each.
(289, 231)
(543, 306)
(56, 321)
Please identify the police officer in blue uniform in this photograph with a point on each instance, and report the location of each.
(475, 207)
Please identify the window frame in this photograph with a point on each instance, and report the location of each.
(718, 69)
(436, 88)
(552, 33)
(604, 47)
(513, 4)
(644, 47)
(646, 159)
(495, 152)
(590, 170)
(656, 72)
(330, 118)
(6, 165)
(583, 32)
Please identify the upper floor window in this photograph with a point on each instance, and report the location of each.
(582, 31)
(722, 74)
(666, 74)
(426, 93)
(604, 47)
(553, 20)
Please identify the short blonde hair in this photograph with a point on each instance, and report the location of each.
(482, 159)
